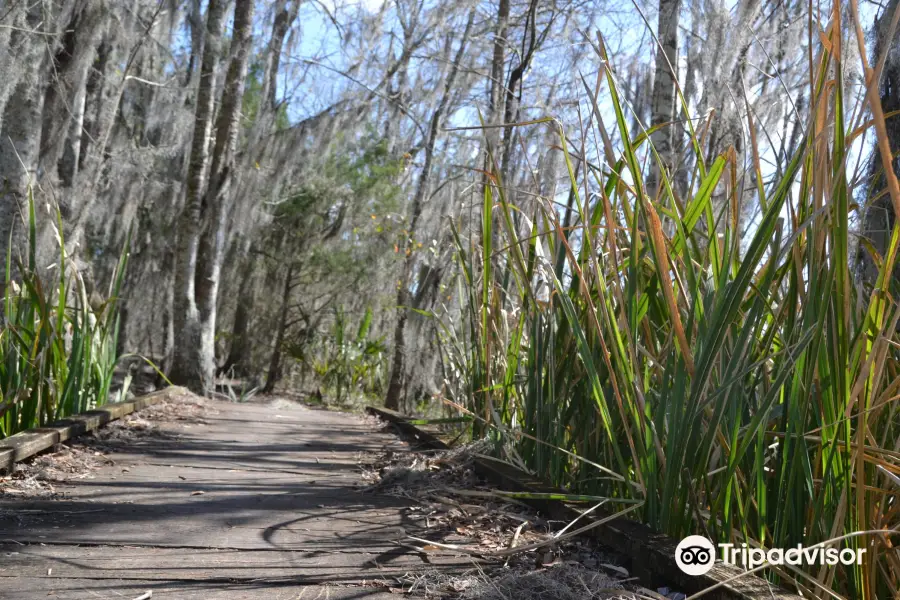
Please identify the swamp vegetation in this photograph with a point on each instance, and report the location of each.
(649, 251)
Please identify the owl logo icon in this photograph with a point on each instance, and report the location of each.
(695, 555)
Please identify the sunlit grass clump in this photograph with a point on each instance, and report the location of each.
(633, 345)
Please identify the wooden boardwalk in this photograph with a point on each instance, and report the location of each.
(259, 501)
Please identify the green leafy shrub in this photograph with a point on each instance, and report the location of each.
(349, 365)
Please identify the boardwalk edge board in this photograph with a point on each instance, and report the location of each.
(26, 444)
(651, 554)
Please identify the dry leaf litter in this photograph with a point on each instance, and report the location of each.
(461, 513)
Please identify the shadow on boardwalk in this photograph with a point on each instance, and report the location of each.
(252, 501)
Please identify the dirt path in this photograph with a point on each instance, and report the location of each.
(247, 501)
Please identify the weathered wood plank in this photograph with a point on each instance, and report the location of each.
(430, 438)
(167, 564)
(27, 443)
(6, 459)
(44, 587)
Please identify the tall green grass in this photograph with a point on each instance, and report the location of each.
(745, 389)
(57, 351)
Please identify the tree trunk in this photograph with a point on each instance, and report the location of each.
(195, 24)
(20, 144)
(94, 101)
(397, 382)
(188, 364)
(71, 152)
(202, 225)
(216, 206)
(284, 17)
(14, 43)
(398, 364)
(663, 106)
(879, 218)
(64, 97)
(266, 116)
(397, 95)
(498, 59)
(239, 352)
(514, 85)
(274, 373)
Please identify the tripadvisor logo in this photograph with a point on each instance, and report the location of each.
(695, 555)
